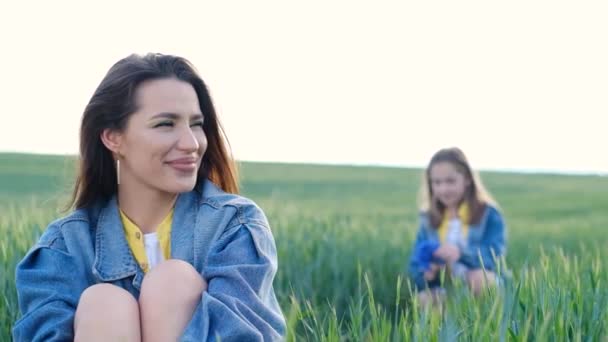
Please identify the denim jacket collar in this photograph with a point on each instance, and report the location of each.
(113, 257)
(478, 228)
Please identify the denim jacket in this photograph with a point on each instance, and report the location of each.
(486, 238)
(225, 237)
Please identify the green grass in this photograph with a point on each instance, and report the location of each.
(344, 234)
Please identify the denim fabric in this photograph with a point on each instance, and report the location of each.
(486, 238)
(225, 237)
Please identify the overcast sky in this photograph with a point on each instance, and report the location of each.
(517, 84)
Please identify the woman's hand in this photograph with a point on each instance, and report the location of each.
(448, 252)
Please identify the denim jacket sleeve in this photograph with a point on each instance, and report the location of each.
(415, 270)
(47, 291)
(492, 243)
(240, 303)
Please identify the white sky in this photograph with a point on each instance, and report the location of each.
(516, 84)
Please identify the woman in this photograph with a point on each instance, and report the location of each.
(461, 229)
(159, 246)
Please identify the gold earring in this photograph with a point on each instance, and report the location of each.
(118, 171)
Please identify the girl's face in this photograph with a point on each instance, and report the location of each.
(448, 184)
(163, 143)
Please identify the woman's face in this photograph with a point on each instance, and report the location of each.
(448, 185)
(163, 143)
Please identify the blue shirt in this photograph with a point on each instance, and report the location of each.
(225, 237)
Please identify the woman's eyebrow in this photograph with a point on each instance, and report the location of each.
(165, 116)
(175, 116)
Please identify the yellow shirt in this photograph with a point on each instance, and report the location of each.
(135, 239)
(463, 215)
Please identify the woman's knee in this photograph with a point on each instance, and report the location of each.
(104, 298)
(106, 310)
(169, 295)
(172, 278)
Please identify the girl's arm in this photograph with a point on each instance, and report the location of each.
(415, 268)
(492, 244)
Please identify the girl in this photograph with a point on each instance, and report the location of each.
(460, 230)
(159, 247)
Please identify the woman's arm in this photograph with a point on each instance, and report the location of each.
(240, 303)
(48, 289)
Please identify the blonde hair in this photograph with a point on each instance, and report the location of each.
(476, 195)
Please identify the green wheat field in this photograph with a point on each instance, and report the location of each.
(344, 235)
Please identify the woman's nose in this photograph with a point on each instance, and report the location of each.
(187, 140)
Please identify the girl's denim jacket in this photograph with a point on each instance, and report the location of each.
(486, 240)
(225, 237)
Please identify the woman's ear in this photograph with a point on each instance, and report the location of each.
(112, 140)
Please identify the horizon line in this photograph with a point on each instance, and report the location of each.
(535, 171)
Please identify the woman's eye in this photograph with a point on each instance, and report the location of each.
(200, 124)
(164, 124)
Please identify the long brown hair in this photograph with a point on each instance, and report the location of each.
(111, 105)
(476, 195)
